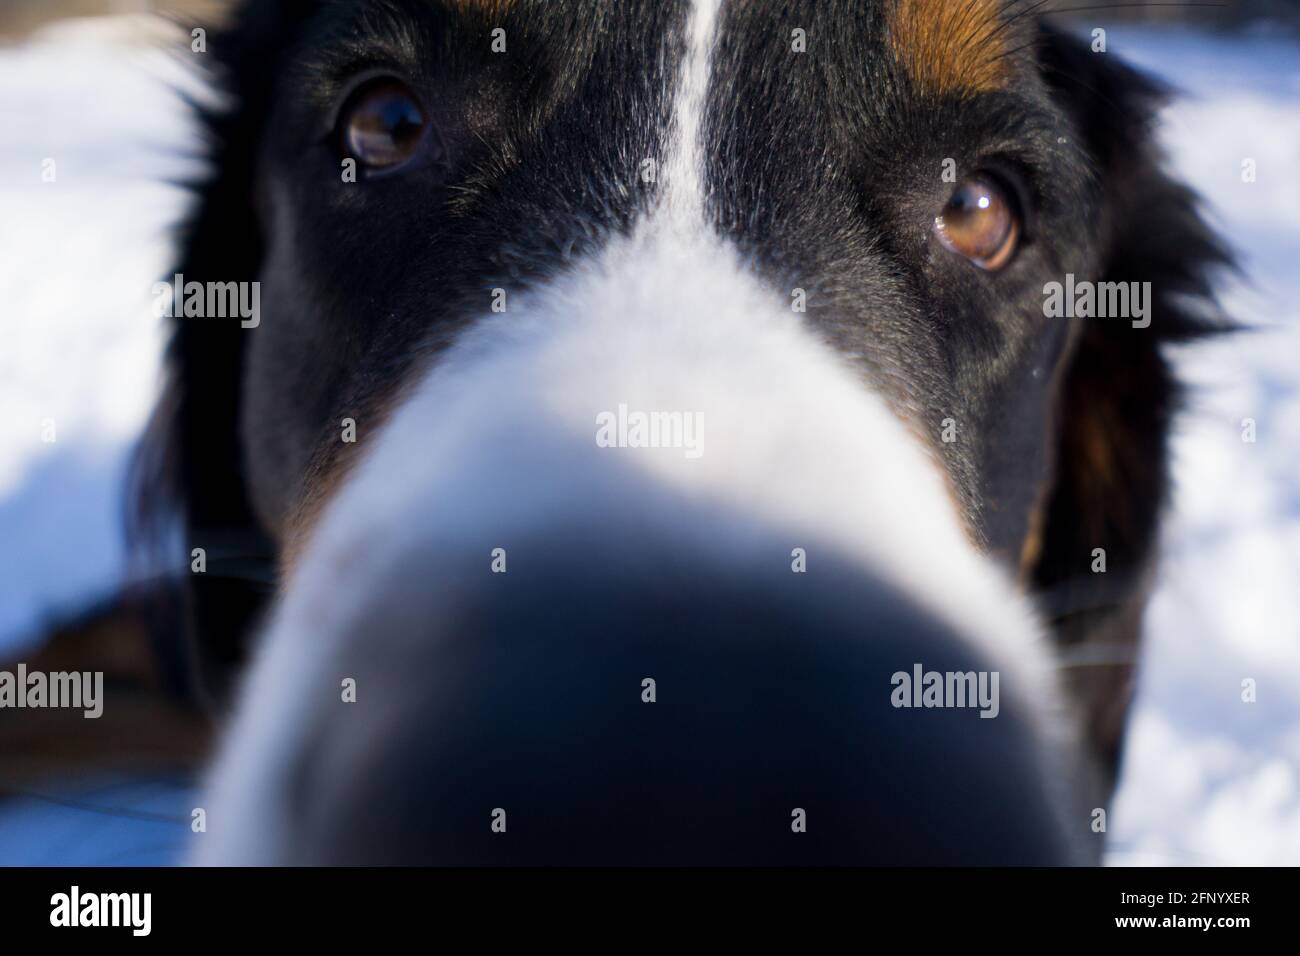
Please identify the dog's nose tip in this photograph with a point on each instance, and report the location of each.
(593, 704)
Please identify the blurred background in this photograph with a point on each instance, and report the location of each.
(96, 87)
(21, 17)
(18, 17)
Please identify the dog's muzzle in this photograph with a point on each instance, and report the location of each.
(641, 572)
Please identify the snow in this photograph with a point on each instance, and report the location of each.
(1208, 779)
(79, 351)
(112, 821)
(80, 348)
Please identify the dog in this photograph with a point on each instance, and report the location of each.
(652, 406)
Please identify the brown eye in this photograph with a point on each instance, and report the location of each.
(980, 222)
(384, 127)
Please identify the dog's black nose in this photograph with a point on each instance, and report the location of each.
(612, 702)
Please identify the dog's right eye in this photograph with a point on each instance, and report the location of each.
(385, 129)
(981, 222)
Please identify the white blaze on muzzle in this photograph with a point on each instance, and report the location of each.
(666, 364)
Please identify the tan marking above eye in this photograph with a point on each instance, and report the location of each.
(950, 46)
(980, 222)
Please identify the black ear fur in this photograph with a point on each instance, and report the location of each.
(189, 480)
(1119, 394)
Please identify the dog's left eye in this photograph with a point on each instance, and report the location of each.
(384, 128)
(981, 222)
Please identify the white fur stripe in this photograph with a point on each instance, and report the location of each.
(683, 171)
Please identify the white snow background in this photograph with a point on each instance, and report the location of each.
(1208, 779)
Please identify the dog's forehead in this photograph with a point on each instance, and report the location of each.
(944, 46)
(739, 81)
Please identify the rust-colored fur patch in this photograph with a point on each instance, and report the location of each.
(950, 46)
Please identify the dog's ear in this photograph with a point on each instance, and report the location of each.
(189, 477)
(1118, 393)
